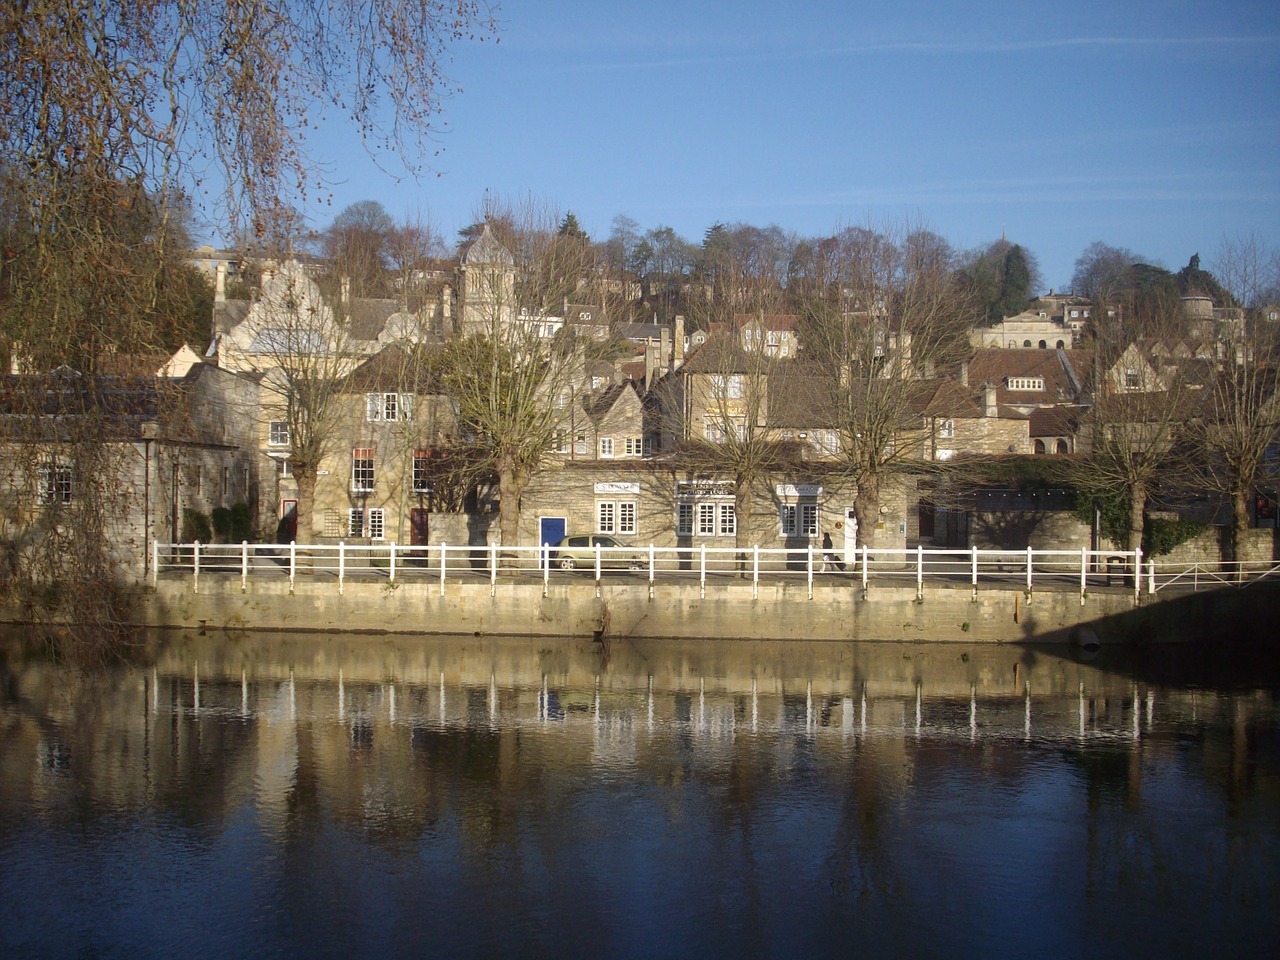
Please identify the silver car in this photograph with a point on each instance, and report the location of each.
(574, 552)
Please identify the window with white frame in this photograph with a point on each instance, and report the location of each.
(56, 484)
(705, 508)
(946, 428)
(332, 524)
(646, 448)
(684, 519)
(388, 407)
(616, 516)
(422, 471)
(1026, 383)
(278, 433)
(606, 446)
(798, 519)
(706, 519)
(286, 470)
(1131, 380)
(369, 523)
(728, 523)
(726, 387)
(634, 446)
(362, 470)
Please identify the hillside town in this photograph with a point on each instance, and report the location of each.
(504, 397)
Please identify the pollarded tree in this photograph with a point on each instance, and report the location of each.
(512, 381)
(893, 312)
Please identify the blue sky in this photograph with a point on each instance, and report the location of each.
(1148, 124)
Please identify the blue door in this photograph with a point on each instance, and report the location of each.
(550, 530)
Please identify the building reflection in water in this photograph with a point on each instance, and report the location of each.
(852, 767)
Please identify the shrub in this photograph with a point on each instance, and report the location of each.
(196, 526)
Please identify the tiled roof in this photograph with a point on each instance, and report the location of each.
(1064, 372)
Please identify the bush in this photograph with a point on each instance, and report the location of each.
(241, 523)
(196, 526)
(1161, 536)
(222, 524)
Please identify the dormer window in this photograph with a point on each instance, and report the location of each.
(1025, 383)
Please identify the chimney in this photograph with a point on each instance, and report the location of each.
(664, 347)
(989, 406)
(652, 361)
(679, 341)
(220, 283)
(964, 373)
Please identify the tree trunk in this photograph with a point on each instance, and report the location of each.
(1137, 516)
(306, 481)
(866, 506)
(742, 526)
(511, 484)
(1239, 528)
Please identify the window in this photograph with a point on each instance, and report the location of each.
(286, 470)
(606, 446)
(1025, 383)
(56, 484)
(422, 471)
(580, 444)
(362, 470)
(726, 387)
(707, 519)
(616, 516)
(946, 428)
(370, 524)
(728, 520)
(226, 482)
(798, 519)
(647, 447)
(1038, 446)
(388, 406)
(684, 519)
(332, 524)
(635, 446)
(278, 433)
(1131, 381)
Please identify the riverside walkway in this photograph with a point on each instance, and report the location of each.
(1031, 569)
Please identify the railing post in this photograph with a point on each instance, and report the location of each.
(809, 570)
(1084, 572)
(1028, 573)
(919, 572)
(195, 567)
(155, 563)
(493, 569)
(1151, 577)
(653, 568)
(702, 570)
(974, 569)
(598, 552)
(293, 562)
(244, 565)
(755, 572)
(866, 571)
(391, 562)
(342, 564)
(444, 550)
(1137, 574)
(544, 561)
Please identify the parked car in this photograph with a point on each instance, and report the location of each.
(574, 552)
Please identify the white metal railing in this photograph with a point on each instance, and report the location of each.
(1208, 576)
(1029, 568)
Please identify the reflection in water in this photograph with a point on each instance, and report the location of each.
(293, 796)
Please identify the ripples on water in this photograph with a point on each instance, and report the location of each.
(357, 797)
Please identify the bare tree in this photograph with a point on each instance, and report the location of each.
(1241, 413)
(890, 312)
(510, 378)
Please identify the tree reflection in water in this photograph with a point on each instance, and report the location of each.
(360, 796)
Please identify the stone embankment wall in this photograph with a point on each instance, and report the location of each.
(782, 611)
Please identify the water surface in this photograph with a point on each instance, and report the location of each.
(277, 796)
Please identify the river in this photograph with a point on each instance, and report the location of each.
(355, 796)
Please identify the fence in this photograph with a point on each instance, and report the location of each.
(1029, 569)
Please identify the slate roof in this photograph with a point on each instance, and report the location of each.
(1065, 373)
